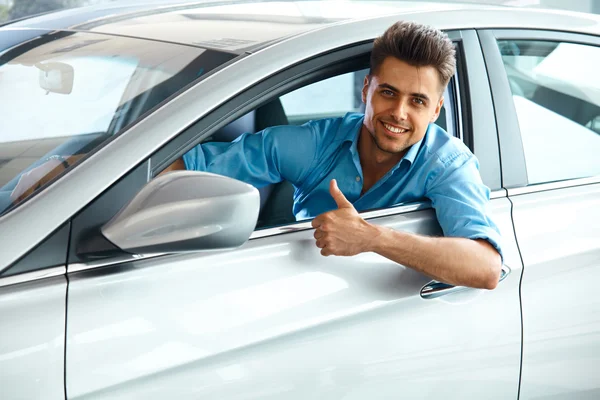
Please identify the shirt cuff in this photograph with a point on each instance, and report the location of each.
(492, 237)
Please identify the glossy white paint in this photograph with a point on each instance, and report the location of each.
(559, 237)
(32, 325)
(275, 319)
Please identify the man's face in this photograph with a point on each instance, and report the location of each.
(401, 101)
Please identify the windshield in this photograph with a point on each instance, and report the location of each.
(63, 94)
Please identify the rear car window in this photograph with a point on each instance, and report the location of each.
(556, 93)
(64, 94)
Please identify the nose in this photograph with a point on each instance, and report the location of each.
(399, 111)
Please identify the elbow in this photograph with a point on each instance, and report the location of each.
(490, 263)
(492, 278)
(490, 284)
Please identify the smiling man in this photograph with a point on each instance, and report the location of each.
(392, 154)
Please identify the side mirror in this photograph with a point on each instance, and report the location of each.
(180, 211)
(56, 77)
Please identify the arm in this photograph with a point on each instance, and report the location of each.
(457, 261)
(269, 156)
(454, 260)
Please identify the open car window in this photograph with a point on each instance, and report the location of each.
(332, 97)
(64, 94)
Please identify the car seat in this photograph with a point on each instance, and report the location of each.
(276, 200)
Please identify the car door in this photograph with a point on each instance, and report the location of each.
(546, 92)
(33, 295)
(273, 318)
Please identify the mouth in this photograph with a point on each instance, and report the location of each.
(393, 129)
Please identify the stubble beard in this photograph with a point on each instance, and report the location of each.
(396, 148)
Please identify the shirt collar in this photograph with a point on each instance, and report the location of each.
(354, 133)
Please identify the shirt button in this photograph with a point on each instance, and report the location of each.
(358, 179)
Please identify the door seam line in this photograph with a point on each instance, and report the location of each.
(512, 207)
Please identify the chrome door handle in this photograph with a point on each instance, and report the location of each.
(436, 289)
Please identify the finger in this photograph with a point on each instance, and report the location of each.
(338, 196)
(318, 234)
(320, 244)
(325, 252)
(316, 222)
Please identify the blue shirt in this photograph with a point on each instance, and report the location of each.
(439, 168)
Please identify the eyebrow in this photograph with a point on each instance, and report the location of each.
(418, 95)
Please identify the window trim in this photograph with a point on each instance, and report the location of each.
(370, 214)
(366, 215)
(514, 168)
(477, 110)
(31, 276)
(542, 187)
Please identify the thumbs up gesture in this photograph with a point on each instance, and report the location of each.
(342, 232)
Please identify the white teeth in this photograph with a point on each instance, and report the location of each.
(394, 129)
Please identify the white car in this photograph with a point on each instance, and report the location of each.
(115, 285)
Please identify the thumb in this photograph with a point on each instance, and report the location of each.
(338, 196)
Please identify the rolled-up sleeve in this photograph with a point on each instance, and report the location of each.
(270, 156)
(461, 200)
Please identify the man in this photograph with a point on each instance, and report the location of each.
(392, 154)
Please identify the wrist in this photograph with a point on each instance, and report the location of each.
(375, 235)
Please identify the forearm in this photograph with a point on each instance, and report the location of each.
(456, 261)
(178, 165)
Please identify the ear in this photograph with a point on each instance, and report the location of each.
(365, 88)
(438, 109)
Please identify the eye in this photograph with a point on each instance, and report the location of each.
(419, 101)
(387, 92)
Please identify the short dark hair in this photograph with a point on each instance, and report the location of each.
(418, 45)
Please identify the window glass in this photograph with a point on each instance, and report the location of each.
(556, 92)
(333, 97)
(64, 94)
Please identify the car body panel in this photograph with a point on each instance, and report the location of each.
(32, 339)
(558, 237)
(354, 327)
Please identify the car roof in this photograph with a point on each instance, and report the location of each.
(246, 26)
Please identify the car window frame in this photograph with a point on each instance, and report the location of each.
(514, 168)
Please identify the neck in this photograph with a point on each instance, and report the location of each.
(373, 160)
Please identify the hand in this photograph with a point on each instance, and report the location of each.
(31, 180)
(343, 232)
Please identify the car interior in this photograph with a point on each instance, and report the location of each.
(276, 200)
